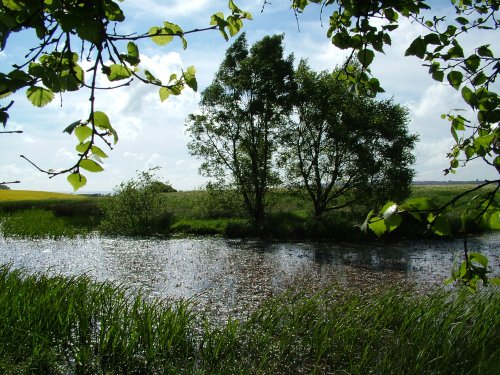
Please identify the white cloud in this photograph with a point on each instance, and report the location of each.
(155, 160)
(170, 9)
(64, 154)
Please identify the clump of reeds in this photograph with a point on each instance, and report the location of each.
(73, 325)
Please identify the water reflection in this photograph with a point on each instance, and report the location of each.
(230, 276)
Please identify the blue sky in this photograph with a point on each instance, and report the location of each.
(152, 133)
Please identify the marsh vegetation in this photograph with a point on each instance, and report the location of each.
(60, 325)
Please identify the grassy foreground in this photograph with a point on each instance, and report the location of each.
(58, 325)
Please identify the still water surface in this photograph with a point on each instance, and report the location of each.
(231, 276)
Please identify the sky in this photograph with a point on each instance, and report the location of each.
(152, 133)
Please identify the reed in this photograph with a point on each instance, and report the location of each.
(386, 332)
(61, 325)
(73, 325)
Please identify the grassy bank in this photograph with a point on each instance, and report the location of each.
(57, 325)
(290, 215)
(28, 213)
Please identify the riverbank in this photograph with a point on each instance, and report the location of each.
(61, 325)
(205, 213)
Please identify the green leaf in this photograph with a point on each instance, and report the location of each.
(483, 143)
(90, 165)
(485, 51)
(118, 72)
(441, 226)
(378, 227)
(83, 133)
(71, 127)
(192, 83)
(14, 4)
(458, 123)
(113, 12)
(494, 222)
(151, 78)
(455, 52)
(98, 152)
(82, 147)
(495, 281)
(77, 180)
(438, 75)
(390, 14)
(479, 258)
(90, 30)
(233, 7)
(393, 222)
(191, 70)
(164, 93)
(364, 226)
(101, 120)
(234, 25)
(432, 39)
(417, 48)
(479, 79)
(365, 57)
(472, 63)
(39, 96)
(455, 79)
(132, 56)
(469, 96)
(159, 36)
(389, 209)
(133, 50)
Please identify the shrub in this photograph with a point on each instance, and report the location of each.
(220, 202)
(135, 208)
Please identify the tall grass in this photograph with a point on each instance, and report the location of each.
(57, 325)
(37, 223)
(388, 332)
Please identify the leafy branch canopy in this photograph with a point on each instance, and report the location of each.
(69, 31)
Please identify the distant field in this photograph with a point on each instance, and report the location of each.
(29, 195)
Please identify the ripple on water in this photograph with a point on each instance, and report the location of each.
(228, 277)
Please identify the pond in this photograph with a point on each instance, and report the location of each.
(230, 277)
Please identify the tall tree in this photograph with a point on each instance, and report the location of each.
(343, 147)
(241, 113)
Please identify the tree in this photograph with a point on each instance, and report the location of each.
(345, 148)
(241, 115)
(64, 28)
